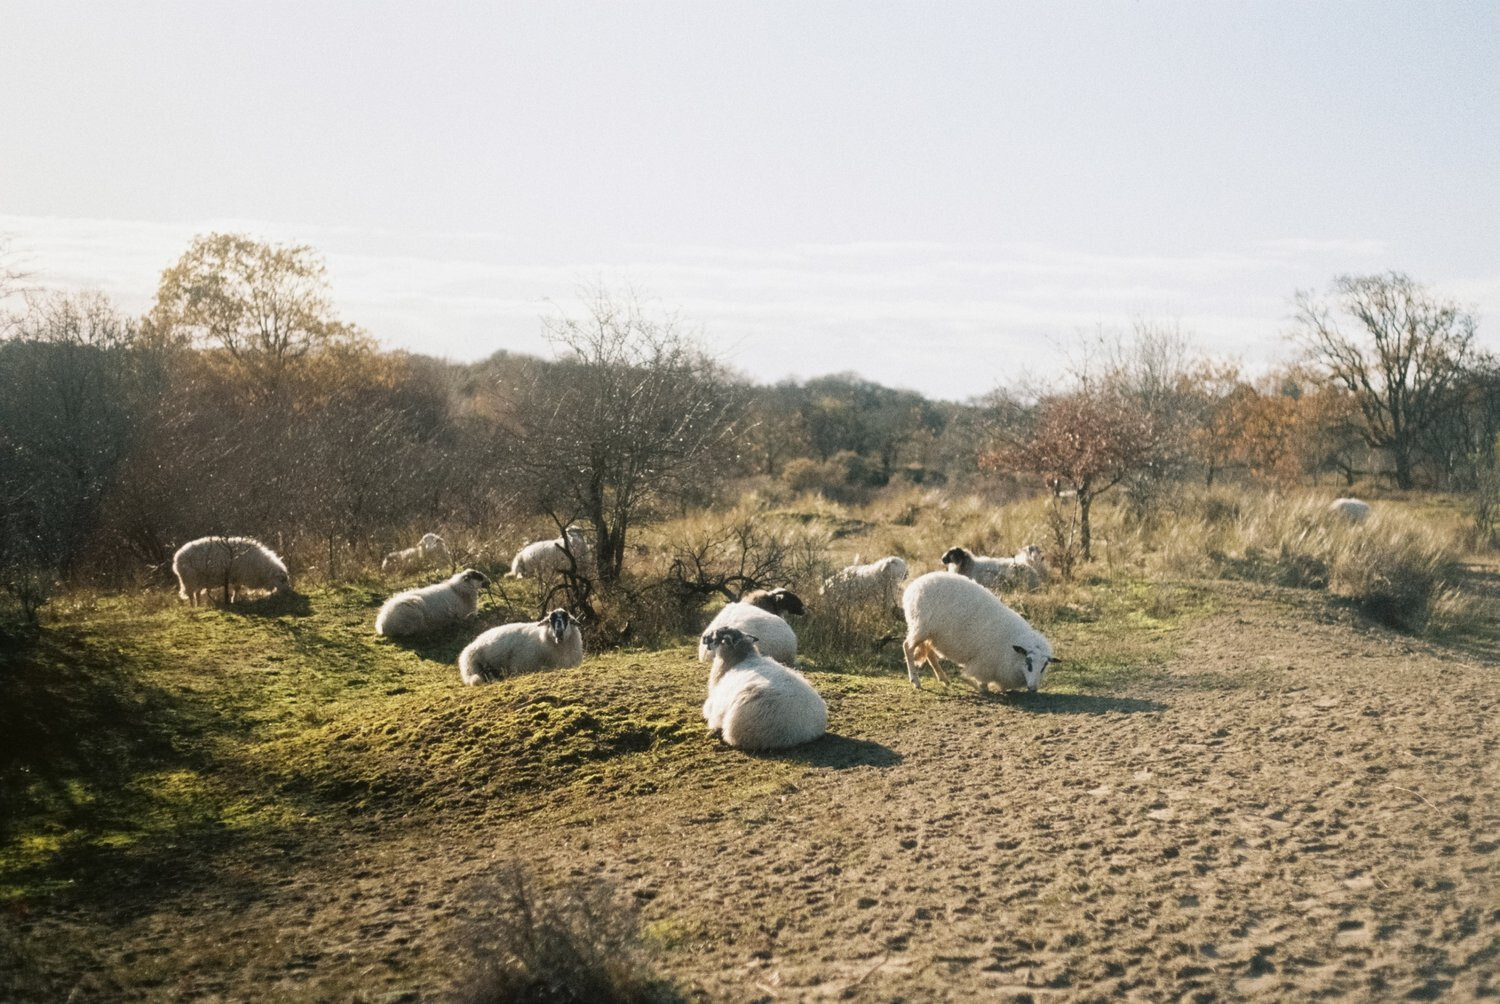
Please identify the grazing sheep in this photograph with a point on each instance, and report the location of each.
(430, 551)
(952, 617)
(234, 564)
(554, 642)
(545, 558)
(760, 613)
(1353, 510)
(878, 582)
(417, 611)
(755, 702)
(1025, 569)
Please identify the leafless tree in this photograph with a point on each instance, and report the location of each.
(1407, 352)
(623, 425)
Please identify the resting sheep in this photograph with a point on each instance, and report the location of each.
(554, 642)
(1024, 570)
(754, 702)
(1353, 510)
(234, 564)
(878, 582)
(417, 611)
(760, 613)
(430, 551)
(546, 558)
(952, 617)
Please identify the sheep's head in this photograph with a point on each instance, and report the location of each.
(957, 556)
(776, 601)
(1038, 659)
(730, 644)
(473, 577)
(430, 542)
(1031, 554)
(282, 582)
(559, 622)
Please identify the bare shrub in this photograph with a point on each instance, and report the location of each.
(580, 944)
(712, 555)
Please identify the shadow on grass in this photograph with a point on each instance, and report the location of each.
(273, 605)
(74, 719)
(840, 753)
(441, 646)
(93, 759)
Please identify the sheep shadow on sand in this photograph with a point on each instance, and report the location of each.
(1044, 703)
(839, 752)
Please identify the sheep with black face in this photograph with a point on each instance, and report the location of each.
(754, 702)
(952, 617)
(554, 642)
(761, 613)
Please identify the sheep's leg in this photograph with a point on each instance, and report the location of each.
(930, 656)
(915, 652)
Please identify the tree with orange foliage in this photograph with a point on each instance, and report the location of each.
(1083, 442)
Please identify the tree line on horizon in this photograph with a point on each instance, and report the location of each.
(241, 404)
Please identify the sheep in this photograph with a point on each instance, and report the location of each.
(879, 581)
(545, 558)
(554, 642)
(431, 550)
(761, 614)
(1353, 510)
(754, 702)
(1024, 569)
(417, 611)
(235, 564)
(952, 617)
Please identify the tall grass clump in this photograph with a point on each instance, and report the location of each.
(578, 946)
(1396, 568)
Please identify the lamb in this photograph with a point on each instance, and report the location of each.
(1353, 510)
(431, 550)
(546, 558)
(418, 611)
(761, 613)
(554, 642)
(952, 617)
(879, 581)
(754, 702)
(1025, 569)
(234, 564)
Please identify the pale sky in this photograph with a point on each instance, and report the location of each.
(938, 196)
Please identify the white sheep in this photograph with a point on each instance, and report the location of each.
(234, 564)
(417, 611)
(756, 703)
(761, 613)
(554, 642)
(1353, 510)
(545, 558)
(877, 582)
(430, 551)
(1024, 569)
(952, 617)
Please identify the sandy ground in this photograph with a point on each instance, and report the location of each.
(1289, 809)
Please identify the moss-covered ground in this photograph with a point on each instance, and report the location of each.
(271, 801)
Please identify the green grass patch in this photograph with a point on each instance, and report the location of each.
(131, 730)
